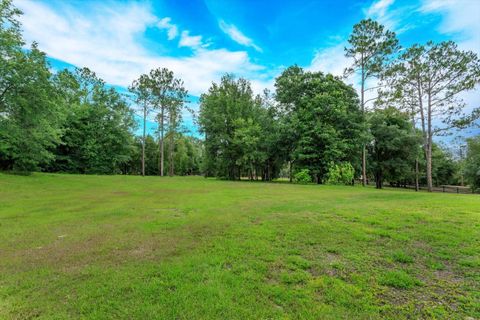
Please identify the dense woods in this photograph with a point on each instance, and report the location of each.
(313, 128)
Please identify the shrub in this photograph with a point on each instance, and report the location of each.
(342, 173)
(303, 176)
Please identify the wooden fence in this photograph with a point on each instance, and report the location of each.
(443, 188)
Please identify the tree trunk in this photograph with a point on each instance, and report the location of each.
(171, 149)
(160, 125)
(416, 158)
(143, 141)
(378, 180)
(429, 168)
(429, 144)
(290, 178)
(416, 174)
(364, 158)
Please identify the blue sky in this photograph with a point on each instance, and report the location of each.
(201, 40)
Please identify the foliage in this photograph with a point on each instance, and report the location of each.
(325, 116)
(241, 135)
(444, 166)
(187, 157)
(30, 117)
(340, 173)
(303, 176)
(97, 136)
(168, 95)
(371, 48)
(472, 167)
(427, 81)
(394, 147)
(72, 121)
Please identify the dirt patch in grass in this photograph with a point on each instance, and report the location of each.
(108, 248)
(120, 193)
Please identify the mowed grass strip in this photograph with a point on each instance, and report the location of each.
(121, 247)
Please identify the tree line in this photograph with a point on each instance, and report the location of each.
(323, 131)
(313, 128)
(72, 121)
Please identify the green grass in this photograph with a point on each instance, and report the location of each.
(116, 247)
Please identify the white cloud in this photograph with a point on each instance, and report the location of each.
(186, 40)
(379, 8)
(330, 60)
(109, 40)
(172, 30)
(459, 16)
(237, 36)
(392, 19)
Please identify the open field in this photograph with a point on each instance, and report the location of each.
(112, 247)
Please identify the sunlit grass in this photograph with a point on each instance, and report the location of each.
(115, 247)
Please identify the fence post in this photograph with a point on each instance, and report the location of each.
(443, 187)
(457, 190)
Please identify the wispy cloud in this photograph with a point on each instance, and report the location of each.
(186, 40)
(379, 8)
(172, 30)
(110, 41)
(237, 36)
(394, 19)
(459, 17)
(330, 60)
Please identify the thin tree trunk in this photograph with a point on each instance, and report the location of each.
(364, 157)
(143, 142)
(290, 178)
(170, 155)
(426, 129)
(416, 158)
(171, 148)
(378, 180)
(429, 145)
(161, 122)
(416, 174)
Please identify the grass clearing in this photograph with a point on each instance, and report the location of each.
(110, 247)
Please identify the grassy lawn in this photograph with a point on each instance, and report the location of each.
(111, 247)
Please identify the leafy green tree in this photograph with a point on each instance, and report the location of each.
(394, 146)
(97, 137)
(472, 162)
(187, 155)
(224, 111)
(31, 123)
(370, 47)
(444, 166)
(134, 165)
(428, 80)
(324, 117)
(168, 95)
(30, 117)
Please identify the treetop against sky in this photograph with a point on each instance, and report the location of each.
(202, 40)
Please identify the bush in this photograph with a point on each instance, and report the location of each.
(303, 176)
(342, 173)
